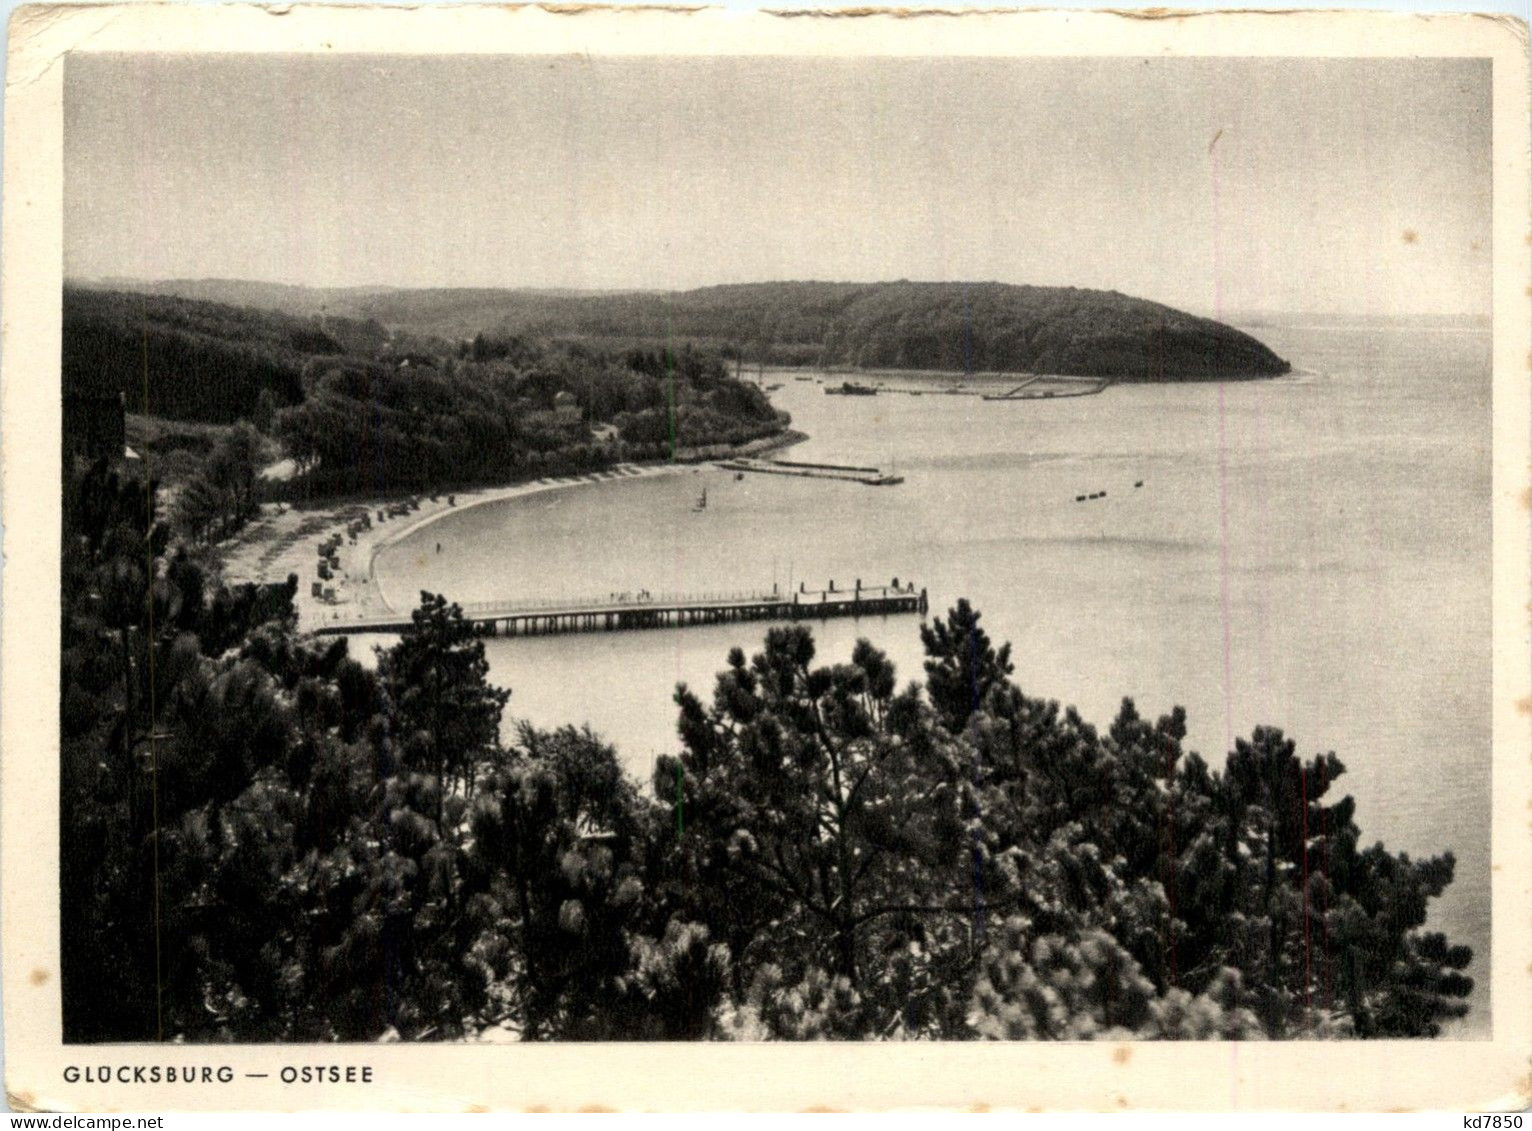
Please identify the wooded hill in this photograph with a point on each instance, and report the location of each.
(188, 360)
(956, 327)
(361, 407)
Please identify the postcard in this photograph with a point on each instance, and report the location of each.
(648, 559)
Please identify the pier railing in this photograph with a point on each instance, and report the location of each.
(634, 598)
(673, 598)
(645, 609)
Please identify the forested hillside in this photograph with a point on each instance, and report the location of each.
(361, 407)
(957, 327)
(510, 409)
(189, 360)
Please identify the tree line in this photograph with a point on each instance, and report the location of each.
(364, 409)
(263, 839)
(186, 360)
(956, 327)
(508, 409)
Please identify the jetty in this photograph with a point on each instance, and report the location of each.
(1049, 386)
(872, 476)
(620, 612)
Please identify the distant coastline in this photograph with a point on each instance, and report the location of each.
(979, 326)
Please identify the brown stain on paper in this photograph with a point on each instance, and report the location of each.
(1411, 236)
(1122, 1054)
(38, 976)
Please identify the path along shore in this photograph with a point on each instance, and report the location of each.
(284, 540)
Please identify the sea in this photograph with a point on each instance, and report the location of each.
(1310, 552)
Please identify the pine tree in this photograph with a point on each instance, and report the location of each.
(445, 714)
(822, 828)
(962, 666)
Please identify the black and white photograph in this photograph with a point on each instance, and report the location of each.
(855, 547)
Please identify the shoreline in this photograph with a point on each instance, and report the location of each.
(283, 540)
(375, 601)
(930, 378)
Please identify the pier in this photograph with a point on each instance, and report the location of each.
(1050, 387)
(1028, 387)
(871, 476)
(621, 612)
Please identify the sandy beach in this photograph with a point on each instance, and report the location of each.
(285, 540)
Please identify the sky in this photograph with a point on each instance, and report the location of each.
(1239, 185)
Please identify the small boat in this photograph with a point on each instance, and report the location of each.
(738, 475)
(1079, 498)
(806, 378)
(850, 389)
(701, 502)
(1138, 483)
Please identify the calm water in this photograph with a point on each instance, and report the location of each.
(1311, 552)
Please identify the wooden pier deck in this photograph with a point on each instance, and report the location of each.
(624, 612)
(1061, 388)
(871, 476)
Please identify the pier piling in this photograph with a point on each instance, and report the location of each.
(621, 613)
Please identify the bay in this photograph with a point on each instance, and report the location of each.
(1310, 552)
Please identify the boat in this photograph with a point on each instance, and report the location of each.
(804, 378)
(701, 502)
(851, 389)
